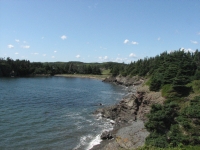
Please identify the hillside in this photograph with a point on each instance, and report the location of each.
(177, 76)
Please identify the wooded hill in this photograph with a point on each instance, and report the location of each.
(177, 76)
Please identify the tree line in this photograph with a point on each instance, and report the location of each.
(21, 68)
(10, 67)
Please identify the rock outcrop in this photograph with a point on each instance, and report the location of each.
(132, 107)
(129, 137)
(106, 135)
(126, 81)
(129, 114)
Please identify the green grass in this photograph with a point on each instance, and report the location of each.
(148, 82)
(106, 72)
(196, 86)
(166, 90)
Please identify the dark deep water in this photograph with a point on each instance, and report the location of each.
(53, 112)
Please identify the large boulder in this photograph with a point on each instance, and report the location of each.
(106, 135)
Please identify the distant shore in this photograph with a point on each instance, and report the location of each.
(99, 77)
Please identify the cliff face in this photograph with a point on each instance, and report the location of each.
(134, 106)
(130, 113)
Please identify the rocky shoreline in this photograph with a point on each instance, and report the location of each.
(128, 116)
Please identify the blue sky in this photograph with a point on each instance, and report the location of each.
(97, 30)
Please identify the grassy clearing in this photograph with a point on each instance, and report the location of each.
(106, 72)
(100, 77)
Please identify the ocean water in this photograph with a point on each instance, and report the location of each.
(51, 113)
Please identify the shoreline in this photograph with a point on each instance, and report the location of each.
(129, 115)
(89, 76)
(124, 134)
(128, 130)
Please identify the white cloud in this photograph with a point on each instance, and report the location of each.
(132, 55)
(194, 42)
(134, 43)
(187, 50)
(159, 39)
(126, 41)
(118, 59)
(55, 51)
(52, 56)
(78, 56)
(10, 46)
(16, 53)
(34, 53)
(25, 46)
(17, 40)
(183, 49)
(63, 37)
(103, 58)
(44, 55)
(171, 51)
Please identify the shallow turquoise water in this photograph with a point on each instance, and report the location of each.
(53, 112)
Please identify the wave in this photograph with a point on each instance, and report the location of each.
(100, 125)
(97, 140)
(112, 93)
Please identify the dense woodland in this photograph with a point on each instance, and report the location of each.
(175, 74)
(21, 68)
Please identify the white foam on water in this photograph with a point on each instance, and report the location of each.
(114, 93)
(106, 126)
(83, 141)
(99, 116)
(89, 141)
(72, 114)
(97, 140)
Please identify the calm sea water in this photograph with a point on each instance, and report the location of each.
(53, 113)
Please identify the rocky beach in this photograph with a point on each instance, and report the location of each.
(128, 116)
